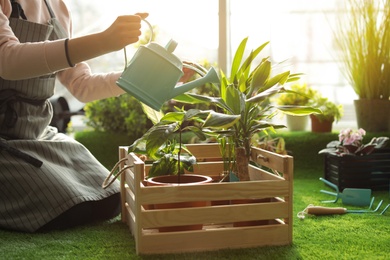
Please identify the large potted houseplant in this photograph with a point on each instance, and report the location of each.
(247, 93)
(363, 38)
(299, 95)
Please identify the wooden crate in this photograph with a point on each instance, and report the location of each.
(369, 171)
(273, 185)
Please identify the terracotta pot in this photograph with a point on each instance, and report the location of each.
(318, 126)
(185, 180)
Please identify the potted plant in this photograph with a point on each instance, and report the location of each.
(247, 93)
(299, 94)
(363, 38)
(349, 163)
(162, 143)
(330, 113)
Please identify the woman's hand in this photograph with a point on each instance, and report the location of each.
(125, 30)
(188, 73)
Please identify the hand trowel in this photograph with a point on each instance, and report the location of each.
(349, 196)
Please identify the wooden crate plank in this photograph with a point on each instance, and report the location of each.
(206, 240)
(213, 214)
(214, 191)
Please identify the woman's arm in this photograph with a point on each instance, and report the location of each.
(124, 31)
(27, 60)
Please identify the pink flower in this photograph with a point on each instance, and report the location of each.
(351, 137)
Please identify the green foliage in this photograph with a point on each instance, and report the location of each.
(299, 94)
(163, 141)
(330, 111)
(121, 114)
(363, 37)
(246, 93)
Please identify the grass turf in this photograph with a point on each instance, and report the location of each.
(348, 236)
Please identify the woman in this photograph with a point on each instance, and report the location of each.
(48, 180)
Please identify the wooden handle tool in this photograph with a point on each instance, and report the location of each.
(318, 210)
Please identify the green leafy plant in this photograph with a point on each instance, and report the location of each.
(363, 37)
(299, 94)
(247, 93)
(162, 143)
(330, 111)
(121, 114)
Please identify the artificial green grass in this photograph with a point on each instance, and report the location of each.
(348, 236)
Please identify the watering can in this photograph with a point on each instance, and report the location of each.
(154, 71)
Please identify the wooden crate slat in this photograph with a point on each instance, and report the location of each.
(205, 151)
(213, 214)
(214, 191)
(130, 220)
(206, 240)
(280, 163)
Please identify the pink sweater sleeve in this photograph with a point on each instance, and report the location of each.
(26, 60)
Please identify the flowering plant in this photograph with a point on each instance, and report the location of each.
(350, 143)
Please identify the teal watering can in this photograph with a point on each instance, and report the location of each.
(153, 73)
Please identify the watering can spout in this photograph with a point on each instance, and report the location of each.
(210, 77)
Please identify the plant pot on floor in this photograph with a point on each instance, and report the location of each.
(366, 172)
(373, 114)
(297, 123)
(320, 126)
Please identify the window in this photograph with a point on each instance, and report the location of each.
(299, 31)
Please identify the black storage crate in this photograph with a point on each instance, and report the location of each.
(369, 171)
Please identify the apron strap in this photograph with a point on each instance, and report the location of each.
(21, 155)
(52, 15)
(17, 10)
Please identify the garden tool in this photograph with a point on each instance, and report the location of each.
(383, 211)
(319, 210)
(349, 196)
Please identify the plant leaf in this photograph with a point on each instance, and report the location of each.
(220, 120)
(299, 110)
(153, 115)
(238, 57)
(260, 76)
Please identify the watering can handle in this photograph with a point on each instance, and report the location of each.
(197, 68)
(150, 28)
(150, 39)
